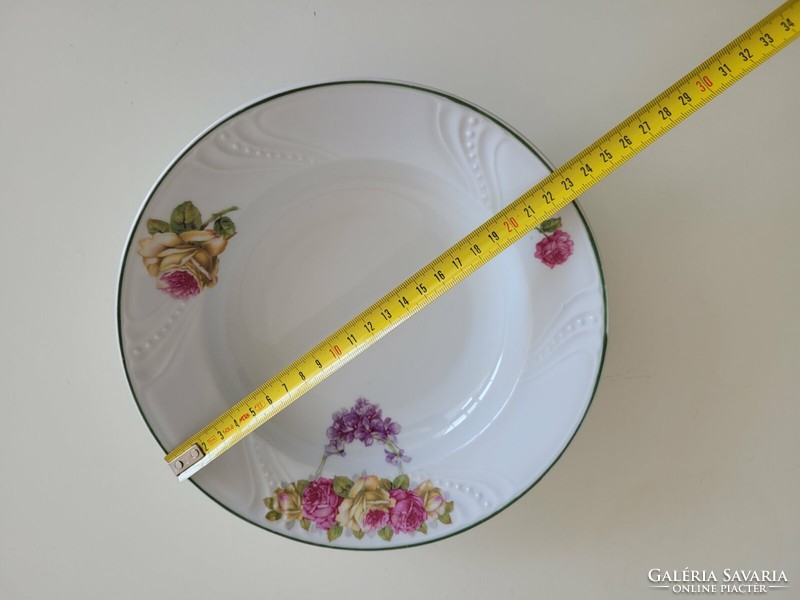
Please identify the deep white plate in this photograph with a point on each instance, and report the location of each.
(340, 191)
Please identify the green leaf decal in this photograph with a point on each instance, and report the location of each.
(342, 485)
(185, 217)
(334, 532)
(273, 515)
(268, 502)
(217, 215)
(300, 486)
(386, 533)
(445, 518)
(225, 228)
(449, 506)
(400, 482)
(305, 524)
(358, 533)
(423, 528)
(551, 225)
(157, 226)
(386, 485)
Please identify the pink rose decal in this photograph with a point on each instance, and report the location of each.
(408, 513)
(181, 285)
(321, 503)
(376, 519)
(555, 248)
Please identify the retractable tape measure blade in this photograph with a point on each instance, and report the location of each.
(518, 219)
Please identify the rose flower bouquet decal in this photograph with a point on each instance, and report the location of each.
(556, 246)
(183, 255)
(366, 504)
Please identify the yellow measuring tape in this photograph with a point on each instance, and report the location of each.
(518, 219)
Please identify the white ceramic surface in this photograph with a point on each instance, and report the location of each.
(343, 190)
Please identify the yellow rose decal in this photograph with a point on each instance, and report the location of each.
(285, 502)
(365, 496)
(183, 255)
(432, 499)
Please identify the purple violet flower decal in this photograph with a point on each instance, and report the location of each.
(365, 423)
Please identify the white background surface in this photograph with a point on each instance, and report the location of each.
(689, 454)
